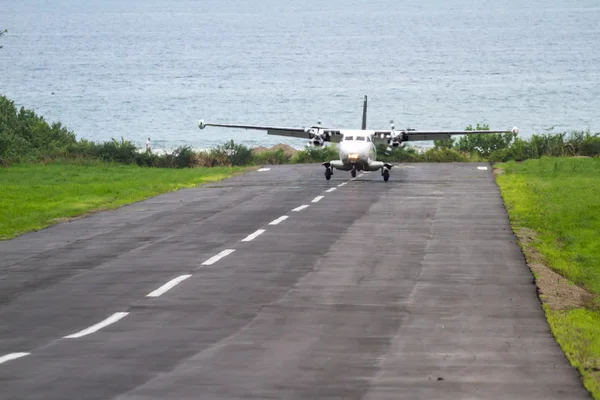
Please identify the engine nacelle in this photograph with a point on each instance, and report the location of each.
(317, 141)
(395, 141)
(201, 124)
(316, 137)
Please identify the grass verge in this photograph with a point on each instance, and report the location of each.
(554, 209)
(36, 196)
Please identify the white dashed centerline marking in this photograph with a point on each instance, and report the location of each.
(278, 220)
(264, 169)
(216, 258)
(482, 168)
(361, 175)
(168, 286)
(300, 208)
(253, 235)
(330, 190)
(342, 184)
(316, 199)
(12, 356)
(94, 328)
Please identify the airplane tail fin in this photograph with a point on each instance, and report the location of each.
(364, 117)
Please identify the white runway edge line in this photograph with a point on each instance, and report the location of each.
(316, 199)
(253, 235)
(12, 356)
(330, 190)
(300, 208)
(216, 258)
(168, 286)
(264, 169)
(94, 328)
(482, 168)
(278, 220)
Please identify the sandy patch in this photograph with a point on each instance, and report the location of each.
(553, 289)
(497, 171)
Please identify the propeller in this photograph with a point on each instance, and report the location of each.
(316, 136)
(395, 137)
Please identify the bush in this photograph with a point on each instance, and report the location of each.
(443, 155)
(123, 152)
(313, 154)
(273, 157)
(485, 144)
(183, 157)
(147, 159)
(397, 154)
(591, 146)
(238, 154)
(25, 136)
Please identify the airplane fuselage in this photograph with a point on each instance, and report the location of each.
(357, 149)
(357, 153)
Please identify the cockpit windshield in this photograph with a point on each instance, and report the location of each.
(349, 138)
(360, 138)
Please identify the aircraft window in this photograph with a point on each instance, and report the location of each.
(360, 138)
(368, 139)
(349, 138)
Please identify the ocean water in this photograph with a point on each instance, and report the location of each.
(152, 68)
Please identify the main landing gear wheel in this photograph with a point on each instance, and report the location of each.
(353, 173)
(386, 175)
(328, 173)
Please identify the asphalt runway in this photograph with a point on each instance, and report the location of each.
(409, 289)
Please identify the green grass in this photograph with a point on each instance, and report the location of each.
(35, 196)
(577, 332)
(559, 199)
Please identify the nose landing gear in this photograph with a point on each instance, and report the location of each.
(353, 172)
(328, 170)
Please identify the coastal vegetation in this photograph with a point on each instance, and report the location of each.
(27, 138)
(554, 210)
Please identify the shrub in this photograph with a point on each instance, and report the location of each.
(313, 154)
(123, 152)
(272, 157)
(397, 154)
(183, 157)
(26, 136)
(147, 159)
(485, 144)
(443, 155)
(238, 154)
(444, 143)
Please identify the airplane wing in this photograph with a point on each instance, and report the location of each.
(382, 137)
(309, 133)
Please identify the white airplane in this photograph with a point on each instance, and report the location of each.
(356, 146)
